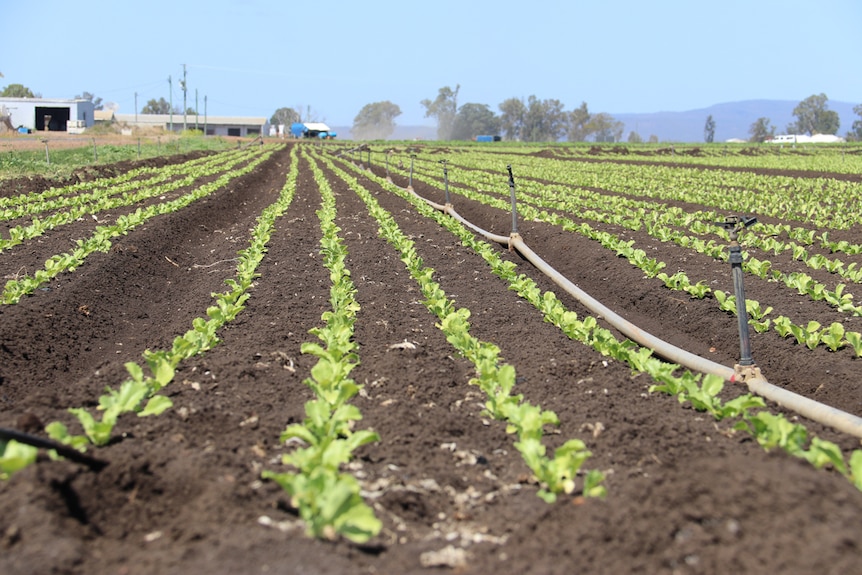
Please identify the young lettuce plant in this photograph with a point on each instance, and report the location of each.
(14, 457)
(808, 335)
(130, 397)
(782, 325)
(833, 336)
(854, 339)
(725, 302)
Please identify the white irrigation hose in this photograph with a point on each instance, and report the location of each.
(813, 410)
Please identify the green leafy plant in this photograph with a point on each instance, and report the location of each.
(329, 503)
(782, 325)
(698, 290)
(14, 457)
(833, 336)
(808, 335)
(725, 301)
(854, 339)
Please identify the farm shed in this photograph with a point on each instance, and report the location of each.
(104, 116)
(55, 115)
(215, 125)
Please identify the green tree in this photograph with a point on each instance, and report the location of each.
(544, 121)
(97, 102)
(512, 116)
(286, 116)
(16, 91)
(856, 134)
(761, 130)
(375, 121)
(444, 108)
(709, 130)
(653, 139)
(473, 120)
(635, 138)
(814, 117)
(160, 106)
(579, 122)
(606, 128)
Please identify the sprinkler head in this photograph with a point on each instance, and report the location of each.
(735, 222)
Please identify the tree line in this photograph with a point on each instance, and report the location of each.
(536, 120)
(813, 116)
(530, 120)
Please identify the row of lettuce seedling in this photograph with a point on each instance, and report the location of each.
(556, 474)
(140, 392)
(328, 500)
(826, 203)
(97, 190)
(635, 206)
(657, 218)
(122, 195)
(834, 337)
(658, 225)
(813, 157)
(100, 240)
(634, 212)
(701, 392)
(73, 190)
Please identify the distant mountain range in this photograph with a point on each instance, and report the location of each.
(732, 120)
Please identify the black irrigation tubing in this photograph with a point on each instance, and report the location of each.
(65, 451)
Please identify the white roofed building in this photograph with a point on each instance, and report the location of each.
(212, 125)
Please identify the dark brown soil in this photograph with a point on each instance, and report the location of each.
(182, 492)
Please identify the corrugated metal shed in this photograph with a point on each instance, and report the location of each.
(55, 114)
(215, 125)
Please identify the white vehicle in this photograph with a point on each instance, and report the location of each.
(803, 139)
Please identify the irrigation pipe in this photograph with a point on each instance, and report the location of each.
(70, 453)
(757, 384)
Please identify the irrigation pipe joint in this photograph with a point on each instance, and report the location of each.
(746, 373)
(514, 238)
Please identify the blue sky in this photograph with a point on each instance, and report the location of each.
(250, 57)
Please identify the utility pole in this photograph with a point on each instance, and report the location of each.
(184, 98)
(171, 98)
(196, 108)
(136, 109)
(205, 115)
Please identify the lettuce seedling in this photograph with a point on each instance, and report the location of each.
(854, 338)
(329, 503)
(14, 457)
(809, 335)
(833, 336)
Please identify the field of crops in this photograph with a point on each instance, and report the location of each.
(276, 360)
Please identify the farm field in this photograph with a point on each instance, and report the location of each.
(189, 490)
